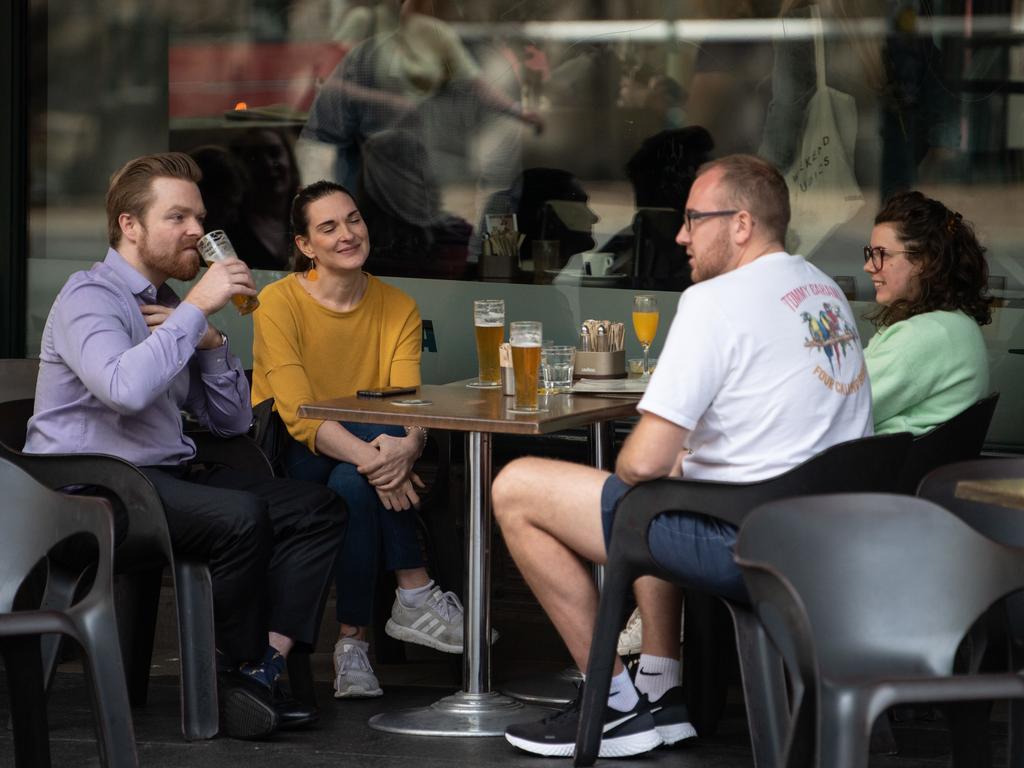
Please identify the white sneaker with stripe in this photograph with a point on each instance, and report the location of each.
(436, 624)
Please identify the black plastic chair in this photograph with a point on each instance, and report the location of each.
(959, 439)
(1006, 526)
(867, 464)
(139, 562)
(820, 572)
(37, 520)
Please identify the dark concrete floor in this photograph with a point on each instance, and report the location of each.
(528, 647)
(343, 737)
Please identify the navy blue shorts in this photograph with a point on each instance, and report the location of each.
(696, 549)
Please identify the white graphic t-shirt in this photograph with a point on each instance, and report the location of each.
(764, 365)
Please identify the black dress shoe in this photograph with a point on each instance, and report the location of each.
(292, 713)
(247, 708)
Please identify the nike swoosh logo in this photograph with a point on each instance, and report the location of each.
(617, 723)
(649, 674)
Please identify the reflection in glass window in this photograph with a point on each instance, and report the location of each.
(585, 120)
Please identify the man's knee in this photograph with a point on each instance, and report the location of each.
(511, 490)
(246, 526)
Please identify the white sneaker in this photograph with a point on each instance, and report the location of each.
(631, 638)
(436, 624)
(353, 675)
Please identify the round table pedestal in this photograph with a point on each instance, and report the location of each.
(549, 690)
(461, 714)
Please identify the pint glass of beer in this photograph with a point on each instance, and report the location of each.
(213, 247)
(489, 323)
(526, 343)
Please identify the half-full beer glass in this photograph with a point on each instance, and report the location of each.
(489, 324)
(213, 247)
(526, 338)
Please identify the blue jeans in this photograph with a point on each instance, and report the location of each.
(372, 528)
(696, 549)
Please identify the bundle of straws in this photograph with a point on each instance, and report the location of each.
(504, 244)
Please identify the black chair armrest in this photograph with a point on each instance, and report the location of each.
(729, 502)
(147, 526)
(239, 453)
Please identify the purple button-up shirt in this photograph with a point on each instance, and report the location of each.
(108, 385)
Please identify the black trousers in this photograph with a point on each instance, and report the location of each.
(270, 544)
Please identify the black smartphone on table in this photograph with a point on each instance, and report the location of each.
(385, 391)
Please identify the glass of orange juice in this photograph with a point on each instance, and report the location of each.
(645, 325)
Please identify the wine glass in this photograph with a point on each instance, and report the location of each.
(645, 325)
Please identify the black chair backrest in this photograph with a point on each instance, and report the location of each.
(865, 464)
(959, 439)
(37, 519)
(270, 434)
(993, 520)
(18, 378)
(147, 533)
(14, 416)
(838, 557)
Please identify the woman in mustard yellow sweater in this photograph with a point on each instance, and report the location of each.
(325, 331)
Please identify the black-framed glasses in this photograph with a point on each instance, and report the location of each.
(877, 255)
(691, 216)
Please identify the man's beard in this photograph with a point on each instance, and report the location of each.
(174, 263)
(714, 260)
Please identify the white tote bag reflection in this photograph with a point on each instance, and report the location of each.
(823, 190)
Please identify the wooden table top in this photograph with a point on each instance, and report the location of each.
(458, 407)
(1005, 491)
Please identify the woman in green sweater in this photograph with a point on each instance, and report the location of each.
(927, 362)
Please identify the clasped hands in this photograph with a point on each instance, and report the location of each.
(390, 471)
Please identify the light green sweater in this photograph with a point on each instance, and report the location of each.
(925, 370)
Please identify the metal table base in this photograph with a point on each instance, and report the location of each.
(461, 714)
(548, 690)
(476, 710)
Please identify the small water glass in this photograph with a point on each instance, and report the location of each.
(556, 364)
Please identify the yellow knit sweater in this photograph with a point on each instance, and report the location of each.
(303, 351)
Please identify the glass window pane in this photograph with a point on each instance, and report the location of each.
(496, 147)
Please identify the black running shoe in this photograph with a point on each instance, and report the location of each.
(246, 708)
(671, 717)
(625, 733)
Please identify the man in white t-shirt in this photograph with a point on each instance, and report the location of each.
(761, 370)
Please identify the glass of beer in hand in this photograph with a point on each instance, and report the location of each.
(526, 339)
(489, 323)
(213, 247)
(645, 325)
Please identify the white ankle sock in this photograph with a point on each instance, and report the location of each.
(656, 674)
(414, 598)
(622, 695)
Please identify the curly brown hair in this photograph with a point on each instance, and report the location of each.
(954, 273)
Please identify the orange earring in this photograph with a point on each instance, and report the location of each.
(312, 274)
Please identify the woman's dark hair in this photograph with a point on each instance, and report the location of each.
(954, 273)
(300, 214)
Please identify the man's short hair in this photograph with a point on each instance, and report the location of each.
(754, 185)
(131, 188)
